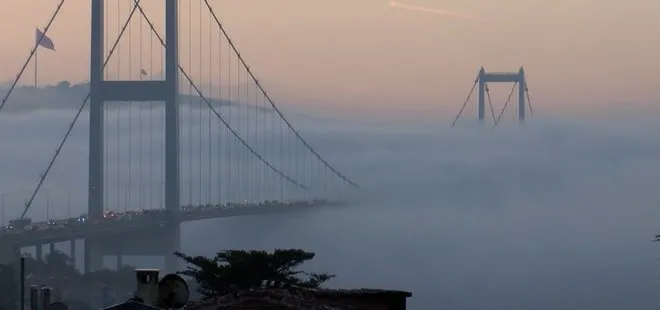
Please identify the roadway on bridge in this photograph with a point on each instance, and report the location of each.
(53, 231)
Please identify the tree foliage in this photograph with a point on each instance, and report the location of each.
(240, 269)
(8, 287)
(55, 264)
(63, 84)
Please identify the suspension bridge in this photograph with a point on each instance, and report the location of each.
(519, 82)
(180, 129)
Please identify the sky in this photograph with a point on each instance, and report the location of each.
(372, 58)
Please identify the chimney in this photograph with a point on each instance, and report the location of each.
(45, 298)
(147, 285)
(40, 298)
(34, 297)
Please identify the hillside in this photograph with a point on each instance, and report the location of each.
(67, 96)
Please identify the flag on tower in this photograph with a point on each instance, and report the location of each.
(44, 41)
(142, 72)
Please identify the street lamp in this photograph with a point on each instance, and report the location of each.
(125, 206)
(47, 205)
(3, 199)
(68, 199)
(68, 203)
(156, 187)
(2, 205)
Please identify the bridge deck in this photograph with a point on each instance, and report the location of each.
(136, 222)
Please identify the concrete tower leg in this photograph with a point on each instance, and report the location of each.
(172, 136)
(521, 95)
(96, 125)
(481, 107)
(173, 263)
(72, 250)
(39, 253)
(93, 256)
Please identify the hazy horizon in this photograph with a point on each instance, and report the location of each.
(370, 58)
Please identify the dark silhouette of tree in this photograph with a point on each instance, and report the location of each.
(58, 268)
(240, 269)
(58, 265)
(61, 264)
(63, 85)
(8, 287)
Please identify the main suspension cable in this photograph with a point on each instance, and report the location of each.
(272, 103)
(505, 104)
(490, 102)
(529, 101)
(465, 102)
(217, 114)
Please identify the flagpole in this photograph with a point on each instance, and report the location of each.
(36, 52)
(35, 66)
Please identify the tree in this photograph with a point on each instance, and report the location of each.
(60, 264)
(240, 269)
(55, 264)
(63, 85)
(8, 287)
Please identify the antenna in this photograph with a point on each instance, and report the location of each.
(173, 292)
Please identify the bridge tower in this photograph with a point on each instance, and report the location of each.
(501, 77)
(483, 78)
(101, 91)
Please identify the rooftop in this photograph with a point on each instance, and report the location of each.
(366, 292)
(295, 298)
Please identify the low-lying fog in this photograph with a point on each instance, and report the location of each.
(554, 215)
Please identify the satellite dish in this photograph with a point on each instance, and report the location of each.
(58, 306)
(173, 292)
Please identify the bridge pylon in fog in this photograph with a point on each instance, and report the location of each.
(483, 78)
(102, 91)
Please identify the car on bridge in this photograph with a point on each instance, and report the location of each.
(116, 220)
(20, 224)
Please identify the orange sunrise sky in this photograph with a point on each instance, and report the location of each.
(368, 55)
